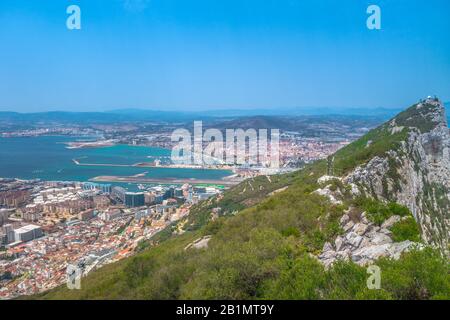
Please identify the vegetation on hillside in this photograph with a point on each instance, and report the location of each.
(378, 212)
(406, 229)
(420, 118)
(264, 252)
(244, 195)
(375, 143)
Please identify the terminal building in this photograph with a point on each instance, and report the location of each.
(104, 188)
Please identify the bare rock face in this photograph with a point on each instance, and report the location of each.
(416, 174)
(390, 222)
(200, 243)
(329, 194)
(360, 228)
(364, 243)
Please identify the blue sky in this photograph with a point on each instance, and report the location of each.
(216, 54)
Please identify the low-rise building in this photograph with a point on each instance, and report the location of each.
(86, 215)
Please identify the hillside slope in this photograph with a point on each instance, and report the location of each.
(271, 235)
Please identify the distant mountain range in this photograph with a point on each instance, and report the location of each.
(140, 115)
(137, 115)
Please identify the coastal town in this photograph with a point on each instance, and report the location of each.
(47, 226)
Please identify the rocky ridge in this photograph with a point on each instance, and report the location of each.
(417, 173)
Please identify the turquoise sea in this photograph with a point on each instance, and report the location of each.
(47, 158)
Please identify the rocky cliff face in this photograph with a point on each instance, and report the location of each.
(415, 174)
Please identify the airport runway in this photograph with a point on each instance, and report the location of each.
(144, 180)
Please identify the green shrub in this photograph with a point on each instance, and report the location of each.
(214, 226)
(406, 229)
(303, 279)
(419, 274)
(378, 212)
(398, 210)
(291, 231)
(345, 280)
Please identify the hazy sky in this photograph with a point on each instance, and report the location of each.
(215, 54)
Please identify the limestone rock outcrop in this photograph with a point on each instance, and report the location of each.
(363, 242)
